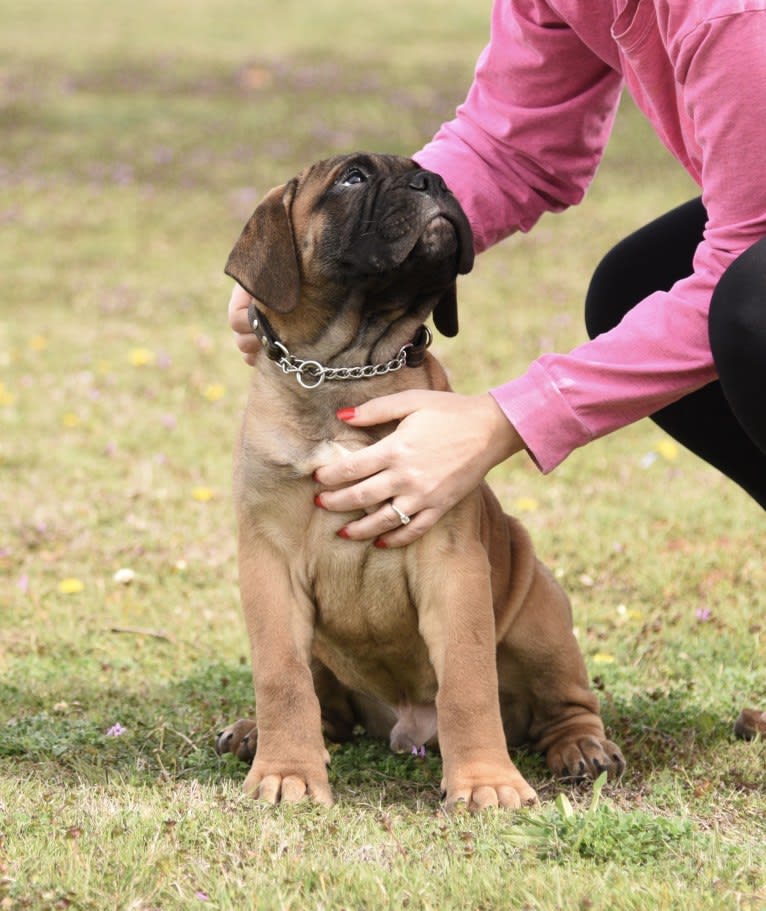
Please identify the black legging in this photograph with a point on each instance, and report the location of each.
(724, 422)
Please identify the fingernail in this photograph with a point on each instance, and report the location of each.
(345, 414)
(380, 543)
(343, 533)
(318, 501)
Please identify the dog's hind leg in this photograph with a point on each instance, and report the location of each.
(544, 691)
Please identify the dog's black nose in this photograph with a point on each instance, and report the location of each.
(427, 182)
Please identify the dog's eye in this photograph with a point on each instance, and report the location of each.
(353, 176)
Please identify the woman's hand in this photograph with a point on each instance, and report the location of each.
(444, 445)
(244, 336)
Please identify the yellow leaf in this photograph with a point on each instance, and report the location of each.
(603, 658)
(203, 494)
(526, 504)
(70, 586)
(6, 398)
(214, 392)
(140, 357)
(667, 449)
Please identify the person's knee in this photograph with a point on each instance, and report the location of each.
(737, 319)
(606, 287)
(650, 259)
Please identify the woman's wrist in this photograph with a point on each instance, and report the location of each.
(503, 439)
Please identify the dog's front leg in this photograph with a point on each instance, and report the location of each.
(457, 623)
(290, 760)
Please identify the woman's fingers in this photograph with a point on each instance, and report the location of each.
(391, 451)
(406, 534)
(442, 447)
(387, 529)
(363, 466)
(244, 337)
(387, 408)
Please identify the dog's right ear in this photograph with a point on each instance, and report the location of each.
(264, 260)
(445, 312)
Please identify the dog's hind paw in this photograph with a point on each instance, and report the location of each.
(585, 757)
(240, 738)
(750, 724)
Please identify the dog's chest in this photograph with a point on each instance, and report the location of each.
(365, 610)
(366, 626)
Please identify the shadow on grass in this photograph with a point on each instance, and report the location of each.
(166, 733)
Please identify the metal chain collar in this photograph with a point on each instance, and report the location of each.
(311, 374)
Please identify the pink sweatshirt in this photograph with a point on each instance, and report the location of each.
(529, 137)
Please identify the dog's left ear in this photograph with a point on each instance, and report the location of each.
(264, 260)
(445, 312)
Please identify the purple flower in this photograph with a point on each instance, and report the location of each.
(163, 155)
(702, 614)
(116, 730)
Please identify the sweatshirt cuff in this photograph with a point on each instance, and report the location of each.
(541, 416)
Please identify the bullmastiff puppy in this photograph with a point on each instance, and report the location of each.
(462, 637)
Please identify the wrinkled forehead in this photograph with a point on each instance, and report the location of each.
(323, 174)
(316, 193)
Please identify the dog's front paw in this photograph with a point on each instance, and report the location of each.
(240, 738)
(289, 782)
(483, 785)
(585, 757)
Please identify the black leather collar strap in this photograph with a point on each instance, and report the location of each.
(261, 327)
(417, 350)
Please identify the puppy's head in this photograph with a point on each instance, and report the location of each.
(378, 223)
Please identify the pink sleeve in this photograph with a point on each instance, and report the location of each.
(660, 352)
(532, 130)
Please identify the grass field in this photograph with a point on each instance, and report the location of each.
(136, 139)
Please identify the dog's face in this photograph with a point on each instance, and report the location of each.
(379, 223)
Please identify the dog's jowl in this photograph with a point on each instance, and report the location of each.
(463, 637)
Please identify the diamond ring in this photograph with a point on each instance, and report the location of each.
(403, 517)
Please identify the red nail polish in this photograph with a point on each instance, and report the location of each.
(380, 543)
(345, 414)
(318, 501)
(343, 533)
